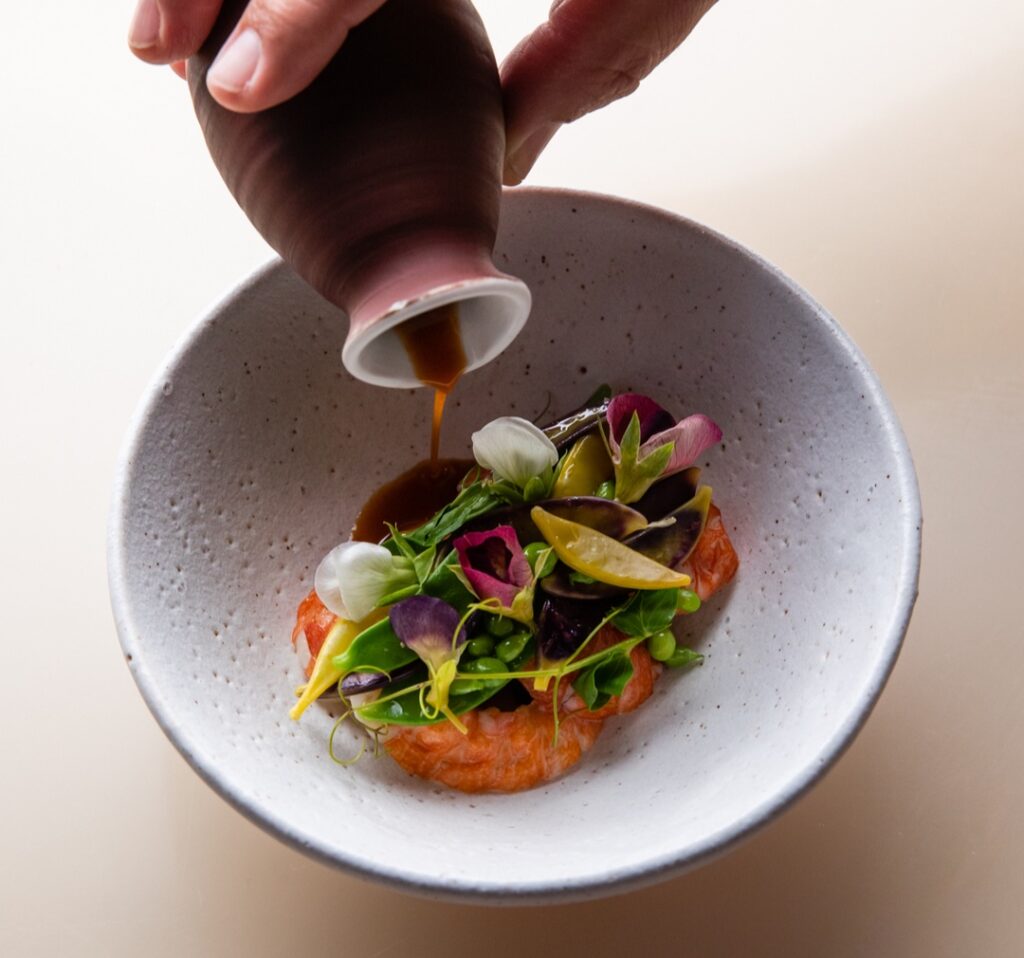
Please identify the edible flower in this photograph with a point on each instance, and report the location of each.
(433, 630)
(646, 444)
(496, 568)
(514, 450)
(354, 577)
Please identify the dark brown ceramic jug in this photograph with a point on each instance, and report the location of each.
(380, 184)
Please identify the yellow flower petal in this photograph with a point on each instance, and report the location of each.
(324, 673)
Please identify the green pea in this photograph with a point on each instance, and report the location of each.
(532, 550)
(465, 686)
(510, 649)
(662, 646)
(687, 601)
(482, 645)
(499, 626)
(606, 490)
(484, 665)
(548, 566)
(682, 657)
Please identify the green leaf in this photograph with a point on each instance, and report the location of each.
(633, 475)
(473, 501)
(682, 658)
(630, 444)
(505, 491)
(648, 612)
(424, 562)
(446, 582)
(604, 679)
(402, 544)
(374, 649)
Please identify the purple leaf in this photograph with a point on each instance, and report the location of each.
(494, 564)
(427, 625)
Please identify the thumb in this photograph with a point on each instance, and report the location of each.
(589, 53)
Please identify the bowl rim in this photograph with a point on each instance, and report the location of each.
(540, 891)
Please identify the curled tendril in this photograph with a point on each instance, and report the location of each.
(344, 762)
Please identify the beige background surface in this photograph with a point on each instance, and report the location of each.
(875, 151)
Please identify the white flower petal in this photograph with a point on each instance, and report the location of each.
(514, 449)
(354, 577)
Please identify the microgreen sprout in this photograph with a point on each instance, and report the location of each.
(646, 444)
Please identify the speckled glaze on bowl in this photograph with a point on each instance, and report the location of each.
(253, 450)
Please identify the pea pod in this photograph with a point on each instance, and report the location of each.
(602, 557)
(668, 494)
(374, 649)
(405, 709)
(377, 648)
(576, 424)
(604, 515)
(359, 683)
(670, 545)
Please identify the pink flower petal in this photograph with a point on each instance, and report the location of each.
(494, 564)
(691, 437)
(620, 410)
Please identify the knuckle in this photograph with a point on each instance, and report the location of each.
(186, 25)
(276, 18)
(606, 82)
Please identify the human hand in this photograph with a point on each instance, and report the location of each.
(276, 49)
(587, 54)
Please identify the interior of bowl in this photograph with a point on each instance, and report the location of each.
(255, 449)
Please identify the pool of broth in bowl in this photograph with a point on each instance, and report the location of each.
(433, 343)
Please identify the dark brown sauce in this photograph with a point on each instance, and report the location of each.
(411, 498)
(433, 343)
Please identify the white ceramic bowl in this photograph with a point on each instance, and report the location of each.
(253, 450)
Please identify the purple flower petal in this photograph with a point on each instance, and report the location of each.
(653, 418)
(426, 625)
(691, 437)
(494, 564)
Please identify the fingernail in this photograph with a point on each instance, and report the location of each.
(145, 29)
(236, 63)
(520, 160)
